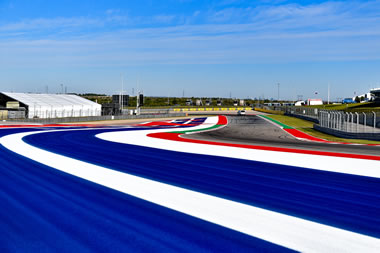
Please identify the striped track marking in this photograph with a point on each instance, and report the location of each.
(288, 231)
(361, 165)
(303, 136)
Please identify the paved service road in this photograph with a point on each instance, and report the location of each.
(258, 131)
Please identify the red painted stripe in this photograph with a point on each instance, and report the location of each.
(176, 137)
(163, 123)
(298, 134)
(12, 126)
(222, 120)
(49, 125)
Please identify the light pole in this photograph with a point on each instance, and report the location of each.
(278, 92)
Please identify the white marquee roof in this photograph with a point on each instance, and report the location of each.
(51, 100)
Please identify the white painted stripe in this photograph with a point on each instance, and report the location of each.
(288, 231)
(360, 167)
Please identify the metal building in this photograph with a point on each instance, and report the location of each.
(52, 105)
(375, 93)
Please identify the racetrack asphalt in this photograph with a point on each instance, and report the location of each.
(258, 131)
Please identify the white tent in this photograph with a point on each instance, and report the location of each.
(56, 105)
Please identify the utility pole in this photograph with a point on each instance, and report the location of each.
(138, 103)
(278, 92)
(61, 88)
(121, 94)
(328, 94)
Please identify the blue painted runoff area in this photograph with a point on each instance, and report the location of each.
(341, 200)
(46, 210)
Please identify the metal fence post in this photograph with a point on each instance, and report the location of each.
(364, 121)
(374, 121)
(357, 121)
(333, 120)
(322, 122)
(328, 119)
(352, 122)
(323, 118)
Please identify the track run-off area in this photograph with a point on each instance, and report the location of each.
(161, 186)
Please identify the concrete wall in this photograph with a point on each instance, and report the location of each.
(348, 135)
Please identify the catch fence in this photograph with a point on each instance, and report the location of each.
(353, 122)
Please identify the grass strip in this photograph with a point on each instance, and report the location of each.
(197, 130)
(277, 122)
(269, 111)
(307, 127)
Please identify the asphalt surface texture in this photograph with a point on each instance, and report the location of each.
(251, 129)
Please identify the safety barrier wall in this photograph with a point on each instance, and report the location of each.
(97, 118)
(11, 114)
(212, 109)
(304, 117)
(269, 111)
(352, 122)
(348, 135)
(301, 112)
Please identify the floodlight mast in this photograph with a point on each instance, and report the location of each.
(122, 94)
(138, 103)
(328, 94)
(138, 97)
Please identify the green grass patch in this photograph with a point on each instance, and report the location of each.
(357, 107)
(269, 111)
(197, 130)
(277, 122)
(307, 127)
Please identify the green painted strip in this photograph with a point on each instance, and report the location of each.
(277, 122)
(197, 130)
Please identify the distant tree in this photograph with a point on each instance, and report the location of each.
(357, 99)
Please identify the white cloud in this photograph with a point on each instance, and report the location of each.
(44, 23)
(328, 31)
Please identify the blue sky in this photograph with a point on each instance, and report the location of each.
(207, 48)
